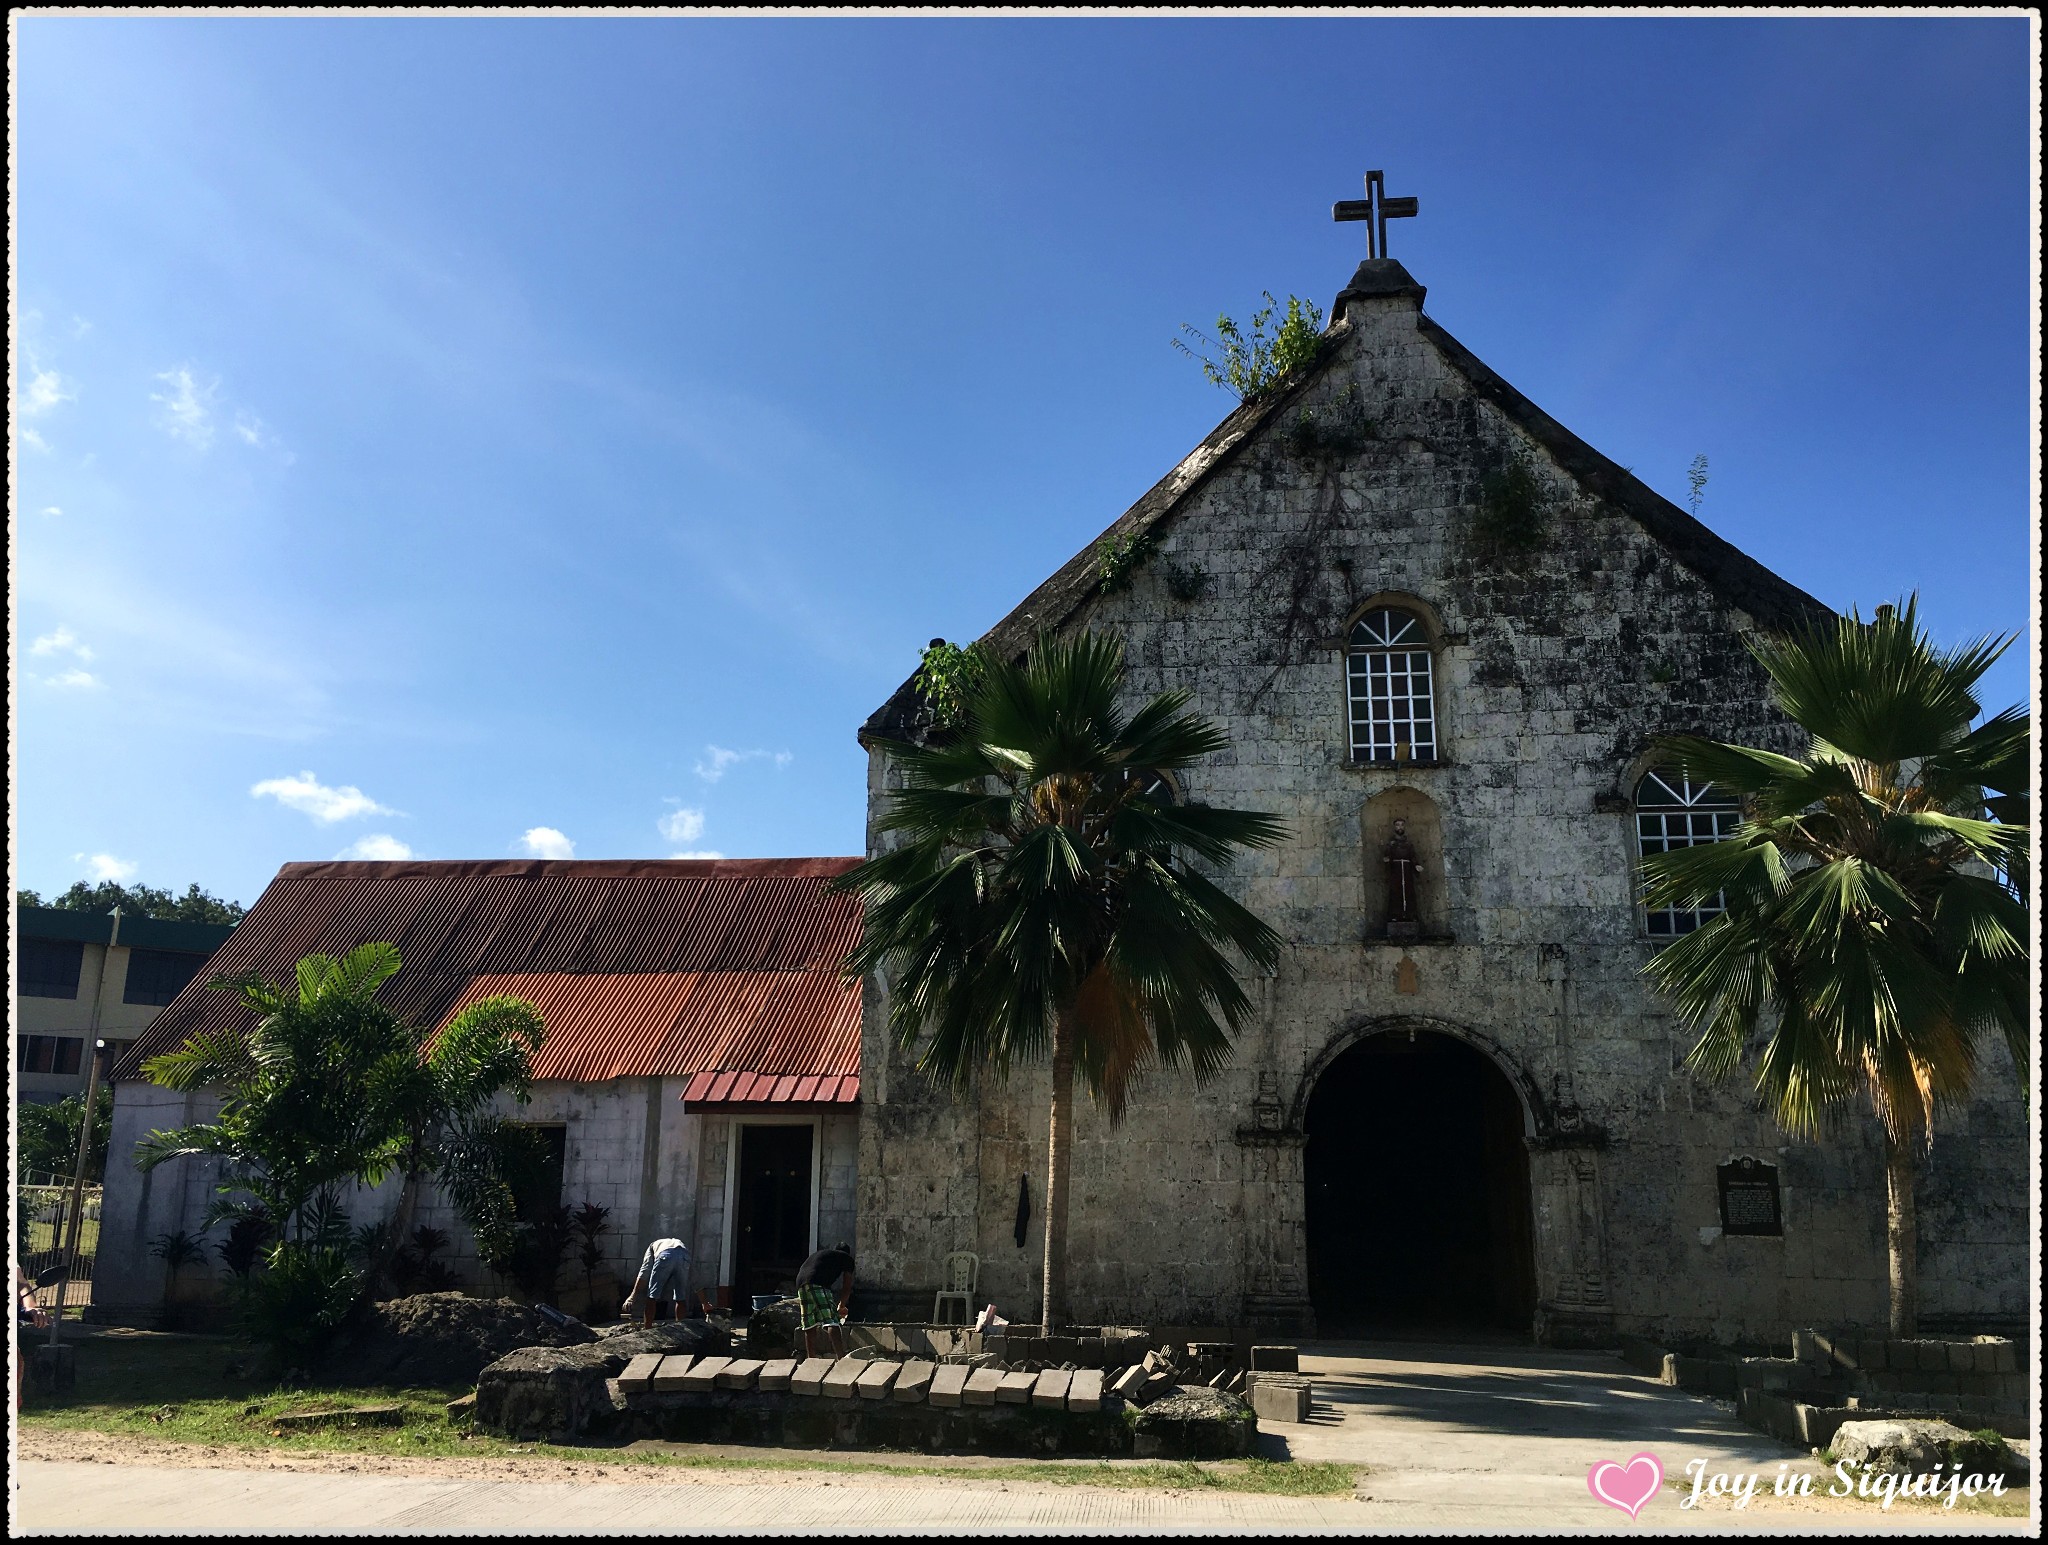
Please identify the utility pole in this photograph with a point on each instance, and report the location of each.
(73, 1219)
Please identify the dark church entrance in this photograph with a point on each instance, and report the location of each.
(1418, 1193)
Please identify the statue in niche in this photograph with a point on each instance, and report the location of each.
(1404, 870)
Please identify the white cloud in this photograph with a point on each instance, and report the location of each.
(379, 846)
(45, 390)
(718, 760)
(73, 678)
(308, 794)
(251, 429)
(546, 842)
(34, 441)
(682, 825)
(63, 641)
(104, 866)
(706, 853)
(51, 509)
(187, 407)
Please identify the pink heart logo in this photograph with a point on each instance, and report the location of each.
(1628, 1487)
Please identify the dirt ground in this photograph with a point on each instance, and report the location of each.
(98, 1448)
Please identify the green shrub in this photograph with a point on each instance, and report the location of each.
(294, 1306)
(947, 676)
(1252, 365)
(1118, 559)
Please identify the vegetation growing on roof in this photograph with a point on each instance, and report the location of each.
(1118, 559)
(947, 676)
(1253, 364)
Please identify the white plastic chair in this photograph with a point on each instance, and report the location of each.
(963, 1269)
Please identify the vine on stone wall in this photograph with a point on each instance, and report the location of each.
(1512, 508)
(1118, 559)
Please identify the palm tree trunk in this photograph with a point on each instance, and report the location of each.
(1902, 1236)
(1057, 1162)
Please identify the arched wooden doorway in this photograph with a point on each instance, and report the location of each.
(1418, 1212)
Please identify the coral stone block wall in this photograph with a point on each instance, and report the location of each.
(1555, 669)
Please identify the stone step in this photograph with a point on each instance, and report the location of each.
(775, 1376)
(982, 1385)
(740, 1373)
(639, 1373)
(1049, 1391)
(354, 1416)
(703, 1374)
(949, 1384)
(1015, 1388)
(914, 1380)
(1279, 1398)
(668, 1378)
(1085, 1393)
(1129, 1382)
(809, 1378)
(875, 1379)
(839, 1380)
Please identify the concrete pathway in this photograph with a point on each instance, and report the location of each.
(1457, 1440)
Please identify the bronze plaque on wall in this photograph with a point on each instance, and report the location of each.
(1749, 1198)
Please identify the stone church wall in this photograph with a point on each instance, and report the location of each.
(1555, 667)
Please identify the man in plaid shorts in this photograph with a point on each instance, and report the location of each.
(824, 1283)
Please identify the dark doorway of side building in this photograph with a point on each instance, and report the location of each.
(772, 1210)
(1418, 1194)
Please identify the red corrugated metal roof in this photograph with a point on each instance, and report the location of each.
(728, 1088)
(641, 968)
(673, 1024)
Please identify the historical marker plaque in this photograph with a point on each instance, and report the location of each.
(1749, 1198)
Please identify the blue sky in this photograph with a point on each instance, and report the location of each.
(434, 433)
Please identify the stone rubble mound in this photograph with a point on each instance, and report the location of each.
(559, 1392)
(1912, 1447)
(438, 1340)
(1194, 1421)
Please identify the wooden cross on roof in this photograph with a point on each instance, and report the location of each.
(1375, 209)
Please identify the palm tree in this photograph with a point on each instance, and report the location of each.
(1046, 897)
(330, 1087)
(1871, 933)
(295, 1122)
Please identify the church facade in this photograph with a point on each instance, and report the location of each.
(1443, 633)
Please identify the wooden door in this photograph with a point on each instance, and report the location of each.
(772, 1213)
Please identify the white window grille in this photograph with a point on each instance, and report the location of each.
(1393, 698)
(1672, 812)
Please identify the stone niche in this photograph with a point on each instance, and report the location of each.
(1426, 832)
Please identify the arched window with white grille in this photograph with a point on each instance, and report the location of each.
(1390, 668)
(1673, 811)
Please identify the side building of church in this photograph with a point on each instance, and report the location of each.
(1410, 595)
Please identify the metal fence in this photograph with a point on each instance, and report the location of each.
(43, 1202)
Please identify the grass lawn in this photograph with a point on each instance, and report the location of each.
(189, 1389)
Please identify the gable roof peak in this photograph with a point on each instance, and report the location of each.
(1379, 279)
